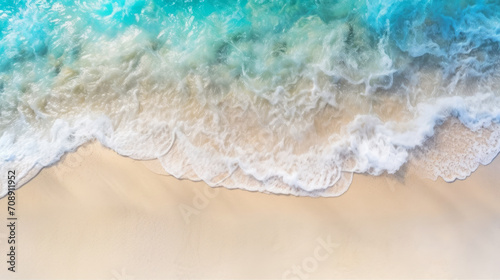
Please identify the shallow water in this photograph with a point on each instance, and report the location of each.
(278, 96)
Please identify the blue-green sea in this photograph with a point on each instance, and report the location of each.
(288, 97)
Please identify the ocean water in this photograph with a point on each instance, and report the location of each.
(288, 97)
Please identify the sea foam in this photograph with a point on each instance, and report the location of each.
(288, 97)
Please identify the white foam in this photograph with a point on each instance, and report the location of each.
(300, 123)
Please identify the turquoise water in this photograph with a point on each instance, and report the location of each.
(276, 96)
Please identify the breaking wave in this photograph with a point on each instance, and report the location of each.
(288, 97)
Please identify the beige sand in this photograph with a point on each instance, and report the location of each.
(98, 215)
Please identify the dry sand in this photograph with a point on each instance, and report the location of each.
(97, 215)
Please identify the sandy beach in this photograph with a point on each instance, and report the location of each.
(352, 139)
(98, 215)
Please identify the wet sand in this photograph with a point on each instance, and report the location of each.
(98, 215)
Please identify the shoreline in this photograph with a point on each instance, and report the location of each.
(99, 215)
